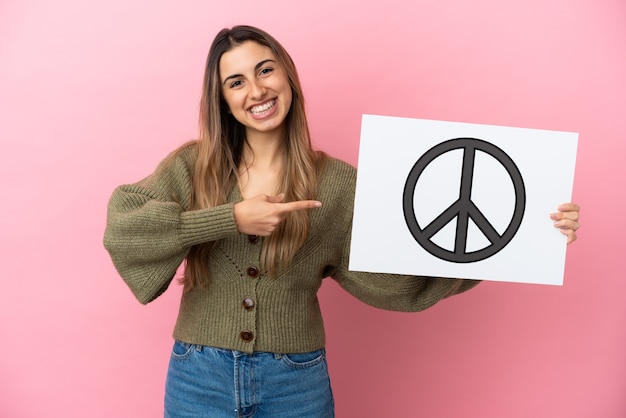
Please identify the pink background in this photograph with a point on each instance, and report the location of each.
(94, 94)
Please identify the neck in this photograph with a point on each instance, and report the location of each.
(263, 150)
(261, 168)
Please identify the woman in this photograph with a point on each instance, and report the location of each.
(260, 219)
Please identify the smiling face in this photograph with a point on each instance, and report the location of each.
(256, 88)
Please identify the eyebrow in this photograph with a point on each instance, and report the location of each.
(256, 68)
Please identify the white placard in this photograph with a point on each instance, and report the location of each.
(450, 199)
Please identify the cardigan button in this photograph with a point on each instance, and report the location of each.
(248, 304)
(253, 272)
(246, 336)
(253, 239)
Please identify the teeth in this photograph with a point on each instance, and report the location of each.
(259, 110)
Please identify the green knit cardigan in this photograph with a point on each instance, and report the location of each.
(150, 230)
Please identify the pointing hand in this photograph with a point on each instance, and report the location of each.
(260, 215)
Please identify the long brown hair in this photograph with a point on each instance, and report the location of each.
(220, 149)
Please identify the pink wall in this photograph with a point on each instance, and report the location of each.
(93, 95)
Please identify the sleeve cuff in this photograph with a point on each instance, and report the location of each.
(206, 225)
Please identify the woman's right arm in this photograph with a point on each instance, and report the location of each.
(150, 228)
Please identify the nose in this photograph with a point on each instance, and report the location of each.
(257, 90)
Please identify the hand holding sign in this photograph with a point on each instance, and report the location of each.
(566, 219)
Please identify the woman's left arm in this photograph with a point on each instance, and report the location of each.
(395, 292)
(406, 293)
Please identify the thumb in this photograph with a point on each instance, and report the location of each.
(279, 198)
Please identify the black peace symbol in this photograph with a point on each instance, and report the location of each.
(463, 208)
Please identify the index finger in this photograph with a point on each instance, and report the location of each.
(569, 207)
(300, 205)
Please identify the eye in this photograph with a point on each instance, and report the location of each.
(235, 84)
(265, 71)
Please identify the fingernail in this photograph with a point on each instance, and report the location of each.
(318, 204)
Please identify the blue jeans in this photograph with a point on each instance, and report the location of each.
(217, 383)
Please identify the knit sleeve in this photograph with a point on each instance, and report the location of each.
(386, 291)
(396, 292)
(150, 230)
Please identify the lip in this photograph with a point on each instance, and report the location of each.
(266, 113)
